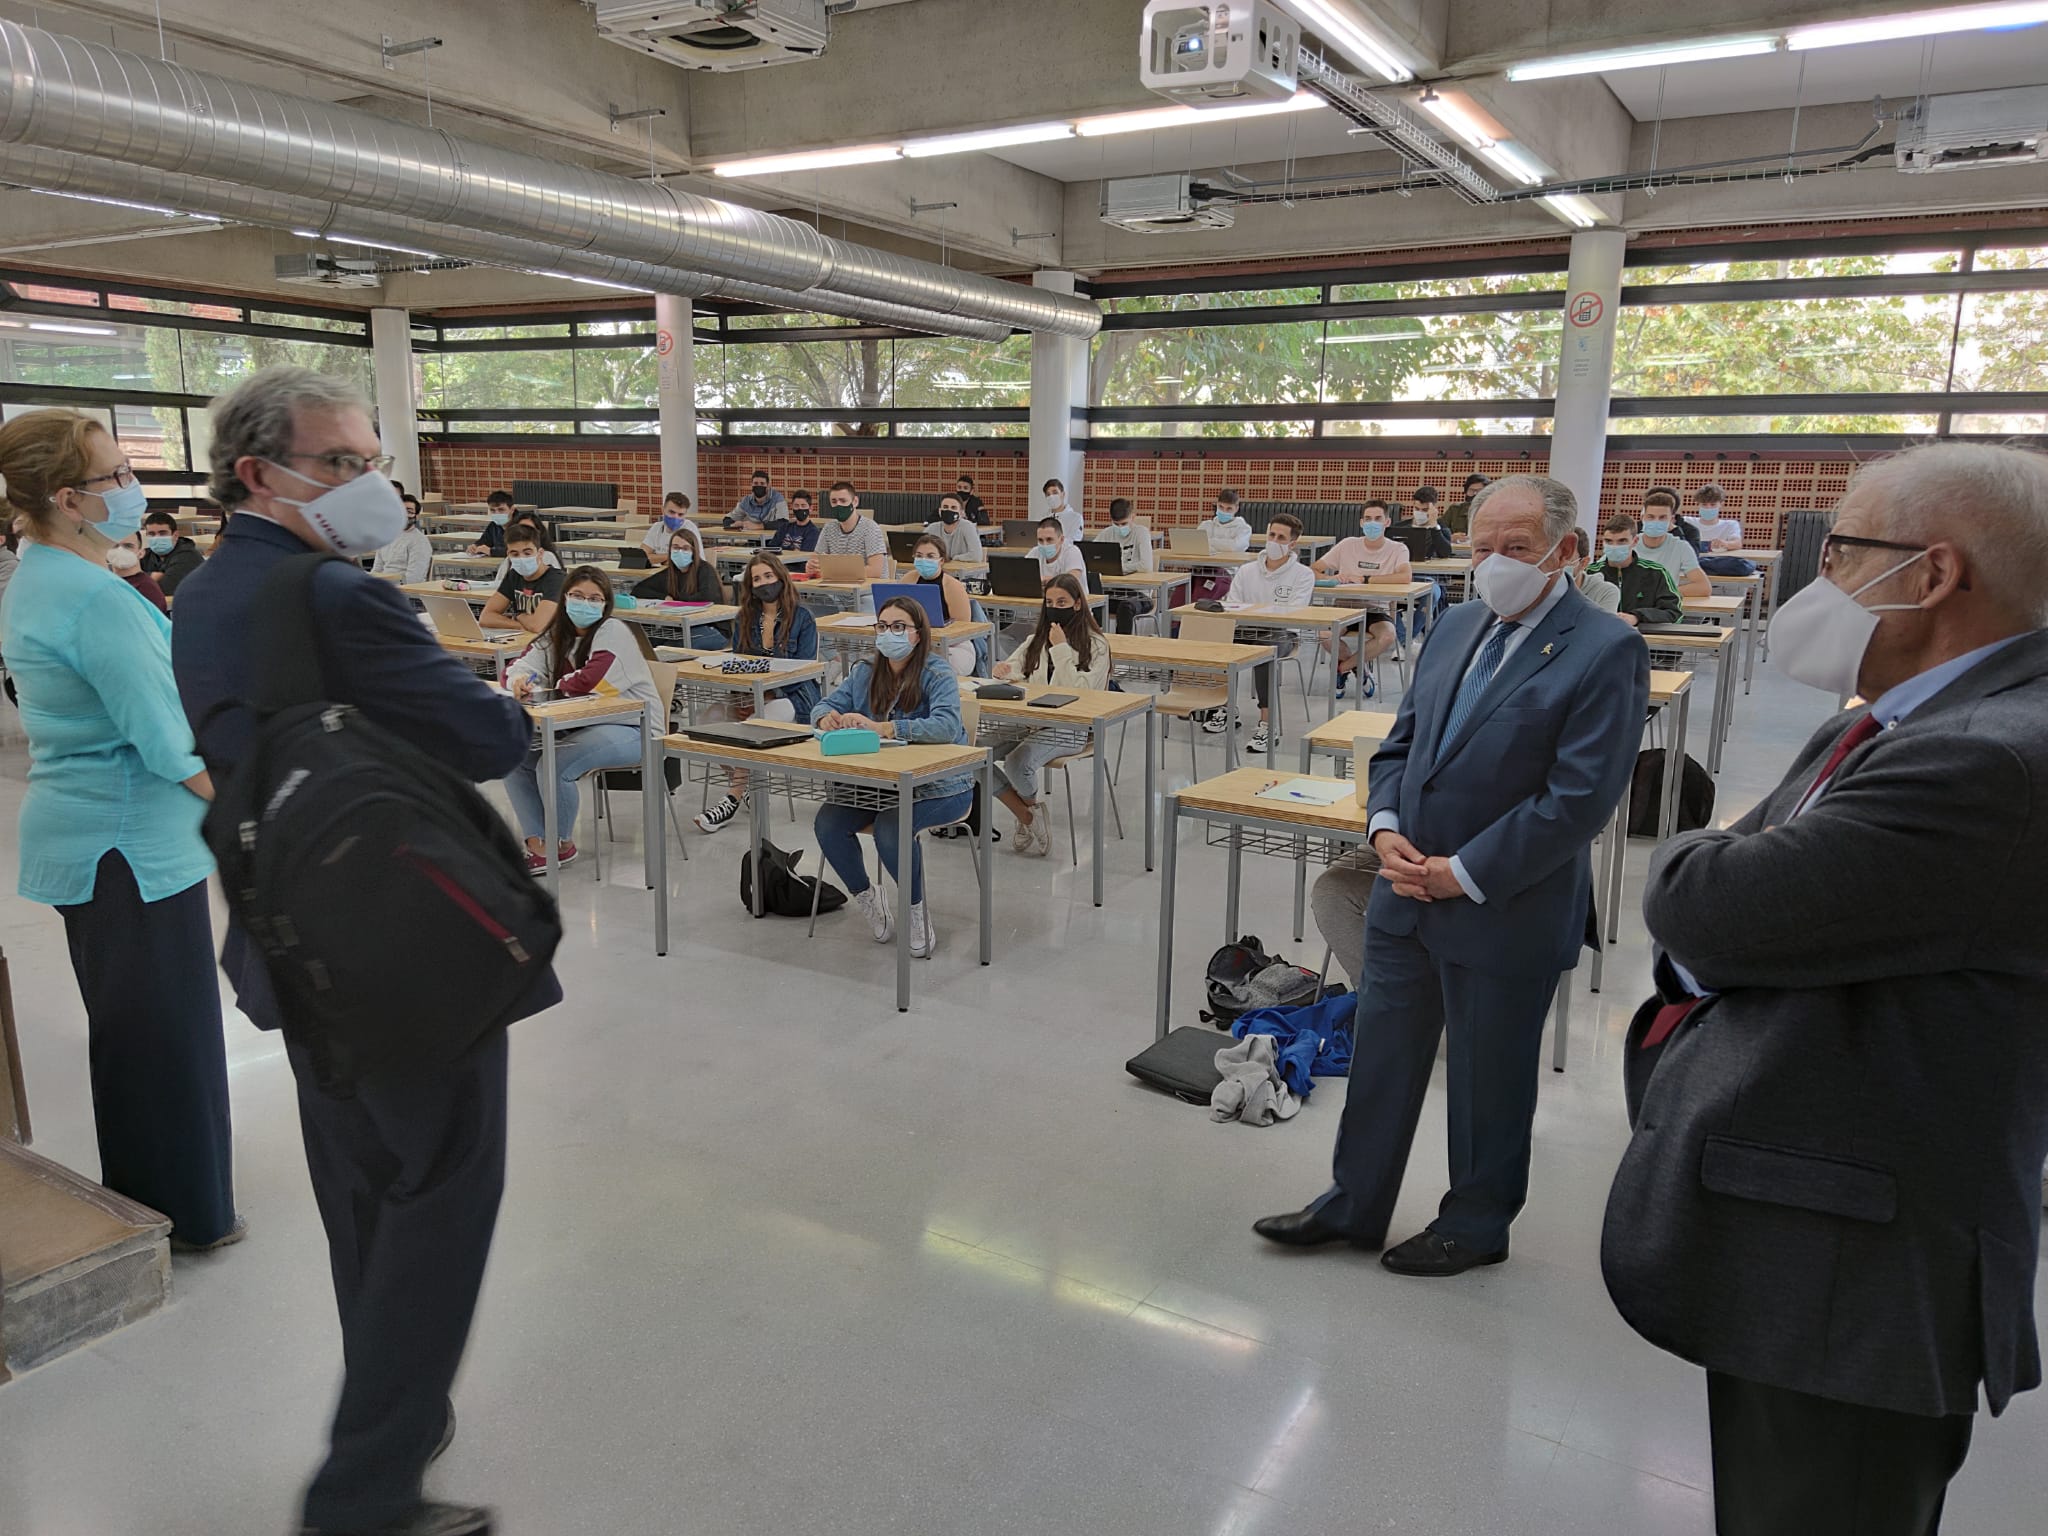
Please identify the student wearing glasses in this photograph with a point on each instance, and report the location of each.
(902, 692)
(771, 623)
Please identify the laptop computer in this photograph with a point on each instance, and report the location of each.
(1019, 532)
(903, 544)
(747, 733)
(1015, 576)
(453, 617)
(1103, 558)
(852, 568)
(1187, 540)
(931, 598)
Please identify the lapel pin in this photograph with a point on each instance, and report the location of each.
(1545, 651)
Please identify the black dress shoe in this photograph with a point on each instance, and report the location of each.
(1431, 1253)
(427, 1520)
(1306, 1229)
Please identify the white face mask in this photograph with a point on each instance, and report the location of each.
(357, 517)
(1278, 550)
(1508, 586)
(1824, 631)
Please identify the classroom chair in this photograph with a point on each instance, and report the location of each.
(1179, 703)
(1064, 764)
(665, 674)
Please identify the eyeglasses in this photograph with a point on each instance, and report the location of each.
(895, 629)
(1833, 542)
(123, 477)
(348, 466)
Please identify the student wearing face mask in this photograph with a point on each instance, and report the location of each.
(1644, 592)
(1457, 517)
(902, 693)
(1124, 531)
(109, 832)
(409, 557)
(125, 561)
(851, 531)
(686, 574)
(771, 623)
(167, 555)
(960, 539)
(1660, 544)
(498, 511)
(1280, 580)
(1067, 651)
(928, 565)
(1057, 505)
(970, 503)
(798, 533)
(1593, 587)
(585, 653)
(1369, 556)
(530, 528)
(675, 513)
(760, 508)
(530, 592)
(1228, 534)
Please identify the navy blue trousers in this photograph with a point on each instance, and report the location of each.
(159, 1061)
(1496, 1038)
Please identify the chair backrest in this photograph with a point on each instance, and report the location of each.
(665, 674)
(970, 715)
(1209, 628)
(1187, 538)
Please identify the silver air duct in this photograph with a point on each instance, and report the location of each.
(66, 94)
(52, 170)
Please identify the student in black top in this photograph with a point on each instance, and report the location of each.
(689, 577)
(799, 531)
(970, 503)
(1648, 593)
(166, 554)
(492, 540)
(531, 591)
(1425, 540)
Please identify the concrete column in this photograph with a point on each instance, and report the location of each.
(1585, 373)
(1059, 387)
(398, 422)
(677, 374)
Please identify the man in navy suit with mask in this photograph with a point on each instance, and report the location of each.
(1509, 755)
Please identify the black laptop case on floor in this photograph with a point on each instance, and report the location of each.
(1184, 1063)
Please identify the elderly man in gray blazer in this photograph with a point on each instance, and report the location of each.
(1830, 1200)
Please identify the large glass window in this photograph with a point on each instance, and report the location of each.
(1208, 365)
(1785, 347)
(2002, 341)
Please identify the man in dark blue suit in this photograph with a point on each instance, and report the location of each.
(1509, 755)
(407, 1170)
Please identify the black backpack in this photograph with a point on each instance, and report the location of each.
(1230, 972)
(389, 899)
(1646, 795)
(784, 892)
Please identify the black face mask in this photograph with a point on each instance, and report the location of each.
(949, 515)
(760, 493)
(769, 592)
(1067, 618)
(801, 514)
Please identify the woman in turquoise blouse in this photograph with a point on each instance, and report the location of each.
(110, 825)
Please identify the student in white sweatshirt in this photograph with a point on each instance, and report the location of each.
(1056, 505)
(1136, 541)
(410, 556)
(1278, 580)
(584, 653)
(1069, 653)
(1228, 534)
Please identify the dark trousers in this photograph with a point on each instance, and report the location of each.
(1496, 1036)
(159, 1063)
(407, 1172)
(1791, 1464)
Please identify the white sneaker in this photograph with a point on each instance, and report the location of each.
(881, 915)
(1261, 741)
(1038, 833)
(923, 937)
(1214, 721)
(719, 816)
(1022, 834)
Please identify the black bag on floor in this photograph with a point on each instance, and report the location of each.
(1242, 976)
(1646, 795)
(1183, 1064)
(784, 892)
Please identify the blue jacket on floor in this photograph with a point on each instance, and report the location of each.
(1311, 1041)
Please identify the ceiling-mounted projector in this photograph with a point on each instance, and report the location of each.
(1229, 50)
(718, 34)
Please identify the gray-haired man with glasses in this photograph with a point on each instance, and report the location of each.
(407, 1171)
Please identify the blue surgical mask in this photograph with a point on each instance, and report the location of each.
(672, 520)
(162, 543)
(1048, 551)
(125, 506)
(1656, 527)
(1119, 530)
(1617, 554)
(501, 518)
(927, 567)
(583, 612)
(1224, 514)
(894, 647)
(682, 559)
(525, 565)
(1372, 533)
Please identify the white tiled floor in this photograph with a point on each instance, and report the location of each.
(777, 1259)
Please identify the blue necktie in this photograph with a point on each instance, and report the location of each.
(1477, 678)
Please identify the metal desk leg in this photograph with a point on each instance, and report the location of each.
(1674, 765)
(550, 827)
(1770, 601)
(1231, 890)
(1561, 1030)
(1151, 784)
(1754, 607)
(1336, 658)
(1300, 886)
(1724, 704)
(1305, 749)
(1169, 857)
(1101, 755)
(1229, 715)
(654, 821)
(988, 868)
(1276, 693)
(1618, 865)
(906, 864)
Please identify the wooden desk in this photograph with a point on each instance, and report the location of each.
(703, 673)
(1338, 735)
(602, 546)
(1285, 829)
(1197, 560)
(1720, 644)
(882, 782)
(496, 656)
(852, 635)
(556, 715)
(1026, 609)
(1401, 596)
(1456, 570)
(687, 618)
(1157, 586)
(486, 565)
(1154, 658)
(1079, 724)
(1751, 590)
(1313, 623)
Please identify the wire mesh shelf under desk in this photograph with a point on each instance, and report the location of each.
(1315, 847)
(1167, 674)
(767, 779)
(1004, 733)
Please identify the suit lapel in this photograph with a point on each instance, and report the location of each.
(1440, 705)
(1544, 644)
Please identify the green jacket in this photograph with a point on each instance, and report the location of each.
(1647, 590)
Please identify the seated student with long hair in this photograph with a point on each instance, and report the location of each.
(903, 692)
(584, 653)
(1068, 652)
(689, 577)
(929, 563)
(771, 623)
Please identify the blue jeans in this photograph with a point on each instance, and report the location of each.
(576, 753)
(839, 828)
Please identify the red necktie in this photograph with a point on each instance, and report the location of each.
(1671, 1015)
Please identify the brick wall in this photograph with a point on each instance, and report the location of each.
(1168, 487)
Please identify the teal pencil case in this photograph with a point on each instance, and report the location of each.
(849, 743)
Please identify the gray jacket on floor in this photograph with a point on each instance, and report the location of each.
(1833, 1185)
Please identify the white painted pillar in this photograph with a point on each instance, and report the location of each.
(1585, 374)
(398, 421)
(1059, 387)
(676, 370)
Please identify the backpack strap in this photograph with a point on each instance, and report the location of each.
(282, 623)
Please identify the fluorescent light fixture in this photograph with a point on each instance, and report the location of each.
(309, 234)
(590, 282)
(1349, 33)
(1454, 116)
(117, 202)
(1612, 59)
(810, 160)
(1879, 29)
(385, 245)
(1186, 117)
(72, 330)
(1516, 161)
(992, 138)
(1573, 209)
